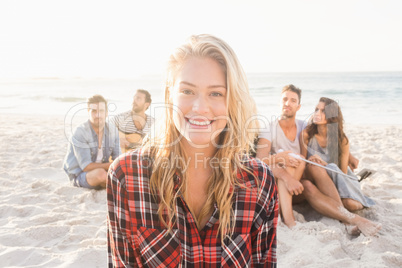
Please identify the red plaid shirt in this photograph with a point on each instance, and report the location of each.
(137, 238)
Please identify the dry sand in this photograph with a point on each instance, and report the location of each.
(45, 222)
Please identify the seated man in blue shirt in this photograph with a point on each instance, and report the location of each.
(91, 146)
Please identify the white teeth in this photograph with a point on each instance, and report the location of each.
(199, 123)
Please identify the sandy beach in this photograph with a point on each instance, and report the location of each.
(45, 222)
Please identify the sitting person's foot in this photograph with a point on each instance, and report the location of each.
(367, 227)
(352, 230)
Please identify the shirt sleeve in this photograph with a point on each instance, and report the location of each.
(115, 120)
(121, 251)
(81, 148)
(264, 234)
(116, 149)
(265, 130)
(152, 120)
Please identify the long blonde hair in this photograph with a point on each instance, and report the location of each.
(234, 141)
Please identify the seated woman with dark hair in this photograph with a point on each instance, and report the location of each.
(331, 193)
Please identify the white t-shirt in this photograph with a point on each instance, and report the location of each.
(99, 156)
(274, 133)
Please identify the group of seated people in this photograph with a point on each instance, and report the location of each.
(284, 144)
(97, 142)
(321, 140)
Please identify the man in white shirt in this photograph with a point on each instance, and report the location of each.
(276, 141)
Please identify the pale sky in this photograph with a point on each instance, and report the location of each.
(132, 38)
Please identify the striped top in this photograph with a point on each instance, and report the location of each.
(124, 123)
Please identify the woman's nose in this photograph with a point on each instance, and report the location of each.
(201, 105)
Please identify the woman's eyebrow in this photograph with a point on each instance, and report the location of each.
(187, 83)
(217, 86)
(211, 86)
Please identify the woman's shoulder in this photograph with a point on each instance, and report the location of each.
(252, 163)
(259, 179)
(345, 145)
(133, 162)
(345, 140)
(137, 155)
(304, 134)
(255, 169)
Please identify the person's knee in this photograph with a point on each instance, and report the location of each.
(309, 170)
(103, 174)
(351, 205)
(318, 173)
(302, 165)
(278, 172)
(100, 175)
(314, 169)
(298, 171)
(308, 186)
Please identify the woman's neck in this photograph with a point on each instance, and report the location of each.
(198, 173)
(198, 158)
(322, 130)
(198, 165)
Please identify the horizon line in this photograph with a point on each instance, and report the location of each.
(161, 74)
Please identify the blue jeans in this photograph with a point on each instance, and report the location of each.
(81, 181)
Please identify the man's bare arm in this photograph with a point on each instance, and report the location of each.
(263, 153)
(282, 158)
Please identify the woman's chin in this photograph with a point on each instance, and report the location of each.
(198, 141)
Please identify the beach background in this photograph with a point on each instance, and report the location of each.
(45, 222)
(55, 54)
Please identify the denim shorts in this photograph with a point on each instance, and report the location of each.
(81, 181)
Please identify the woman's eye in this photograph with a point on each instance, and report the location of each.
(186, 91)
(216, 94)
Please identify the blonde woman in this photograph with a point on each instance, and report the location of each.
(192, 196)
